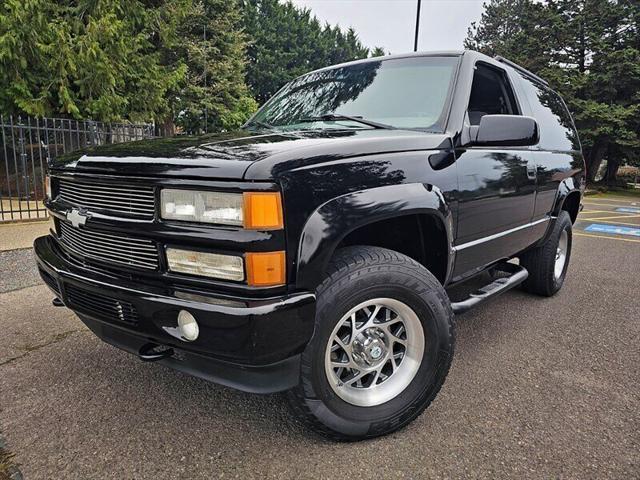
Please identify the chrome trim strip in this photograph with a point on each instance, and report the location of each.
(473, 243)
(134, 200)
(96, 198)
(124, 250)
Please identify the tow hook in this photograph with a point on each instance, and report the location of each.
(148, 352)
(56, 302)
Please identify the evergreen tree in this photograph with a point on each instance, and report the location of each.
(214, 95)
(86, 58)
(125, 59)
(286, 42)
(588, 50)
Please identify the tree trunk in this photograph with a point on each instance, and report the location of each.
(594, 159)
(166, 128)
(612, 172)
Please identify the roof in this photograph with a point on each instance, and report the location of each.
(439, 53)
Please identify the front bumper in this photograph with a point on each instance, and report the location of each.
(249, 344)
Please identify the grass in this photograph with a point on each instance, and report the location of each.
(630, 194)
(600, 192)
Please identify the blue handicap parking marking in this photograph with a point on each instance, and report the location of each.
(628, 210)
(615, 229)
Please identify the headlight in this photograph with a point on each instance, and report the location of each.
(256, 210)
(47, 187)
(225, 267)
(206, 207)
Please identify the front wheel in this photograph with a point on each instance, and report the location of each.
(381, 349)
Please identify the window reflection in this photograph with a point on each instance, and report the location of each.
(405, 93)
(557, 131)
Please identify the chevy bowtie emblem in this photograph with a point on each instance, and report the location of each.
(77, 218)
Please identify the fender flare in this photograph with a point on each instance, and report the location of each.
(565, 188)
(330, 223)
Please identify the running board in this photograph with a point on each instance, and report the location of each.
(516, 275)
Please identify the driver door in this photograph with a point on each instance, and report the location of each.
(497, 186)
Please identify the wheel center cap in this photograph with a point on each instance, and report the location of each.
(369, 348)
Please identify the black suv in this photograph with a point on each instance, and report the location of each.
(315, 250)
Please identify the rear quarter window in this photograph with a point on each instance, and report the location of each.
(557, 131)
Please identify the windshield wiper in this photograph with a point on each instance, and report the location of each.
(332, 117)
(260, 124)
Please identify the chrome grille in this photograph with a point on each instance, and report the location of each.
(117, 199)
(117, 249)
(101, 306)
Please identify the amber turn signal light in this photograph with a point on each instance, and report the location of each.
(265, 269)
(263, 210)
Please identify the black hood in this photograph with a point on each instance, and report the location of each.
(242, 155)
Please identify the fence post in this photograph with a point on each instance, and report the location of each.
(92, 132)
(23, 159)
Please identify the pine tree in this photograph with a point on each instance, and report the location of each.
(86, 58)
(286, 42)
(214, 95)
(184, 62)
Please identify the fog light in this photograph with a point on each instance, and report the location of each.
(225, 267)
(188, 326)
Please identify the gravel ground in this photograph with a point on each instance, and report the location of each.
(18, 270)
(539, 388)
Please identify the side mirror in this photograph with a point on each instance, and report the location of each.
(505, 130)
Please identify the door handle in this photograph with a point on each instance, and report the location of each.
(532, 171)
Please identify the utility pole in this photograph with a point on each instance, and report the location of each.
(415, 43)
(206, 113)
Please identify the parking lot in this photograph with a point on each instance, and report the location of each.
(539, 388)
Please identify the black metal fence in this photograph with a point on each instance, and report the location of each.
(27, 143)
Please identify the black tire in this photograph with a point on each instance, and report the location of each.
(540, 262)
(358, 274)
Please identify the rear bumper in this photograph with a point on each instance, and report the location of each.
(249, 344)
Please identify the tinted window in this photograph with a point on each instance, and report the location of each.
(491, 94)
(405, 93)
(556, 126)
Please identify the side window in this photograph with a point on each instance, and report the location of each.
(491, 94)
(557, 131)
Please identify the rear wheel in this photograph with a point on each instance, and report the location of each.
(548, 263)
(381, 349)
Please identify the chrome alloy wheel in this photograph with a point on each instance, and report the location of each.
(561, 255)
(374, 352)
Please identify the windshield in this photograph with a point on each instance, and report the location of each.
(401, 93)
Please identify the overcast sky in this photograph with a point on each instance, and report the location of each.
(390, 23)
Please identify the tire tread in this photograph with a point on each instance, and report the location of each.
(540, 261)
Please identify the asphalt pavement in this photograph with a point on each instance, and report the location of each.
(539, 388)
